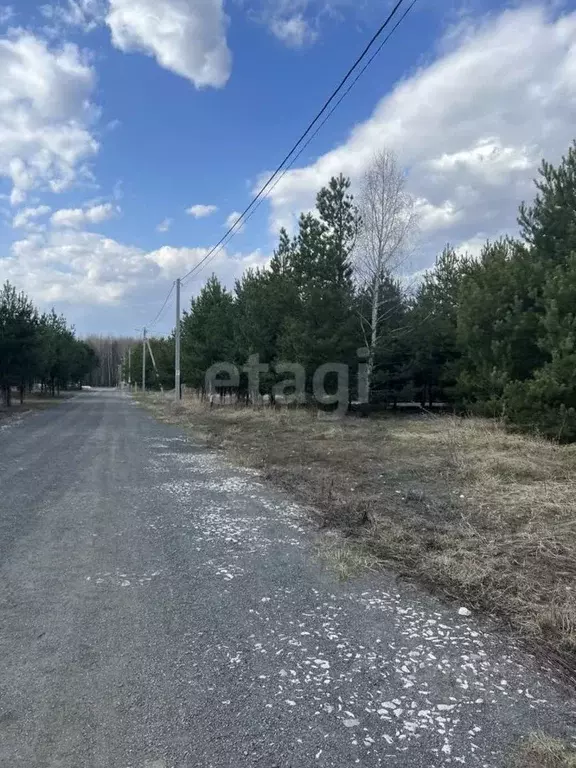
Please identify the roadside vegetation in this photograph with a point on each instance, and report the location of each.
(35, 401)
(478, 505)
(494, 335)
(481, 515)
(37, 351)
(542, 751)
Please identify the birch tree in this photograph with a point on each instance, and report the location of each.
(388, 227)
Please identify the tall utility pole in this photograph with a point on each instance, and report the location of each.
(177, 387)
(129, 367)
(144, 360)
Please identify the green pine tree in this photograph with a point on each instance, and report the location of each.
(207, 335)
(432, 323)
(324, 326)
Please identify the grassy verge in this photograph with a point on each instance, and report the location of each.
(486, 517)
(34, 402)
(542, 751)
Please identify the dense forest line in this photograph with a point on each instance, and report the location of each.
(494, 334)
(38, 349)
(111, 352)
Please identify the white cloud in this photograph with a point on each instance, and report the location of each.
(68, 217)
(24, 218)
(232, 219)
(200, 211)
(112, 125)
(184, 36)
(86, 14)
(6, 13)
(88, 269)
(174, 262)
(487, 159)
(164, 225)
(75, 267)
(432, 218)
(294, 31)
(102, 212)
(76, 218)
(470, 127)
(45, 114)
(473, 246)
(297, 23)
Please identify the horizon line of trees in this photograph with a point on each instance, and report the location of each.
(495, 335)
(38, 349)
(111, 355)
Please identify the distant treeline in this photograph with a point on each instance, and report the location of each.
(38, 349)
(494, 334)
(110, 353)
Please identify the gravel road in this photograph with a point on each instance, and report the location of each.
(161, 608)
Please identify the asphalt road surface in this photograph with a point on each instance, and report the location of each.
(160, 608)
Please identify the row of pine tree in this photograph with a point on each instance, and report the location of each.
(38, 348)
(494, 334)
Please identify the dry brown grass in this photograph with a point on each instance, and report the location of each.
(542, 751)
(485, 516)
(346, 559)
(32, 402)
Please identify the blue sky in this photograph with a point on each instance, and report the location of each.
(130, 130)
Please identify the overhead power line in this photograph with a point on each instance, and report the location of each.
(306, 133)
(324, 121)
(162, 308)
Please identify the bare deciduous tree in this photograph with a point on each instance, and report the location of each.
(387, 231)
(111, 352)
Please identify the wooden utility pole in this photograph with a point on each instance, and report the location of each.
(144, 360)
(177, 386)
